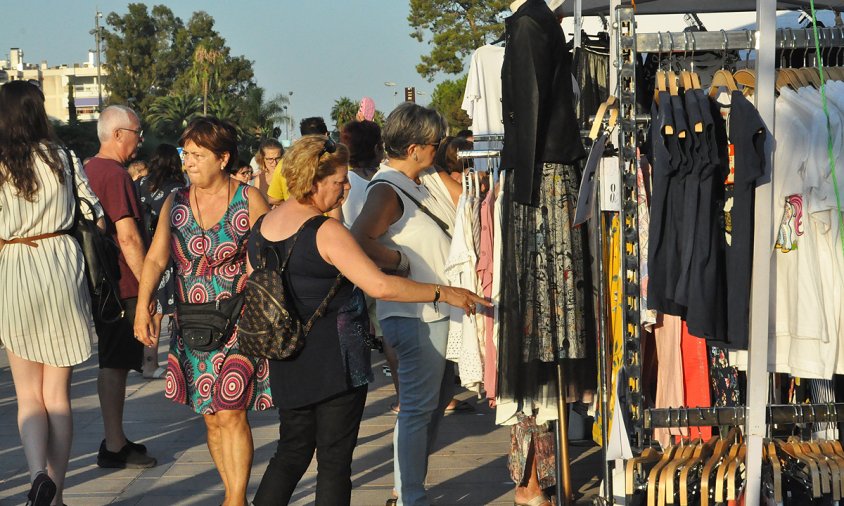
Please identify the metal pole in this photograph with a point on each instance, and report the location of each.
(602, 343)
(757, 367)
(563, 468)
(97, 38)
(578, 21)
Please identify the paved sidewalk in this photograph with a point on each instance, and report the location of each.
(470, 467)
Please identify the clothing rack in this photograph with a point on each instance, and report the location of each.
(478, 153)
(737, 415)
(625, 45)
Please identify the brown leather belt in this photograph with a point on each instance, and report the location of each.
(31, 241)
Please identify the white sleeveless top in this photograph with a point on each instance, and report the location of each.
(418, 237)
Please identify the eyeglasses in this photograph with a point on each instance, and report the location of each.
(139, 133)
(274, 159)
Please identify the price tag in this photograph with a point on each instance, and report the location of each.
(610, 179)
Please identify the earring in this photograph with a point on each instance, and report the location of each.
(222, 167)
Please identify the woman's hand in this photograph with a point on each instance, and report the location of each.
(462, 298)
(146, 329)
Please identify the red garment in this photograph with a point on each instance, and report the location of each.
(696, 378)
(113, 186)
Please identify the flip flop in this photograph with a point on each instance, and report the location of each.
(461, 406)
(394, 408)
(536, 501)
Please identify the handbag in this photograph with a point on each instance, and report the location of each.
(100, 253)
(207, 326)
(268, 328)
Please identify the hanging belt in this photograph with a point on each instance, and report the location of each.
(31, 241)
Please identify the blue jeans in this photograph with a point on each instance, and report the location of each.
(426, 385)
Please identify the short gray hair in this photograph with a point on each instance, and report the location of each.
(113, 117)
(410, 123)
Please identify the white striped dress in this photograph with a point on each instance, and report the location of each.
(45, 307)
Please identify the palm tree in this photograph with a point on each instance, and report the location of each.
(169, 115)
(258, 117)
(343, 111)
(205, 70)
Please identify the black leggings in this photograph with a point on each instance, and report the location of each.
(331, 428)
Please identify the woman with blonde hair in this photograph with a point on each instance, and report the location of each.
(321, 392)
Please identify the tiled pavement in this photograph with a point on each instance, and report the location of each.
(469, 468)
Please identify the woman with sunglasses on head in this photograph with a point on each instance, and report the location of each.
(45, 307)
(205, 233)
(405, 228)
(321, 391)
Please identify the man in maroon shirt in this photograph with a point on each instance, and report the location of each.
(119, 131)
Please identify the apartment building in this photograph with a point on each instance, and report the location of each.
(59, 83)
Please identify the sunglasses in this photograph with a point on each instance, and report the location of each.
(329, 147)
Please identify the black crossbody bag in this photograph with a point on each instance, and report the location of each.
(207, 326)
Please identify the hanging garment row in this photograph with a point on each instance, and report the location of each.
(707, 155)
(807, 328)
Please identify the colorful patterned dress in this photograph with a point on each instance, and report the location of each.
(211, 265)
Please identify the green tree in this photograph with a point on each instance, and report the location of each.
(447, 99)
(456, 28)
(343, 111)
(205, 70)
(143, 57)
(150, 54)
(169, 115)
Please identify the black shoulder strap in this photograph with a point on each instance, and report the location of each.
(440, 223)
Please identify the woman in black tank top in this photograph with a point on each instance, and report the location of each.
(321, 392)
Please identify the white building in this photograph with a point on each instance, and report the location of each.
(80, 79)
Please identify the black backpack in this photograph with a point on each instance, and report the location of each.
(269, 327)
(100, 252)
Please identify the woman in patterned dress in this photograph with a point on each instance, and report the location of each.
(206, 236)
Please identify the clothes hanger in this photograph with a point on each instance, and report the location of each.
(722, 78)
(746, 77)
(653, 476)
(733, 471)
(794, 451)
(670, 76)
(703, 452)
(776, 467)
(635, 466)
(660, 80)
(609, 105)
(720, 480)
(666, 486)
(718, 454)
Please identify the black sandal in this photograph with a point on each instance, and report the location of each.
(42, 491)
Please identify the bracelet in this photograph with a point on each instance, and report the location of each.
(403, 268)
(436, 298)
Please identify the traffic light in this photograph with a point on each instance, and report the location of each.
(410, 94)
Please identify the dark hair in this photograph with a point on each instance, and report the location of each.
(446, 157)
(465, 134)
(215, 135)
(165, 165)
(24, 127)
(313, 126)
(363, 139)
(267, 143)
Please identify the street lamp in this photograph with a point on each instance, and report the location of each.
(97, 38)
(391, 84)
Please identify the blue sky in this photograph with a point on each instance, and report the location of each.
(319, 49)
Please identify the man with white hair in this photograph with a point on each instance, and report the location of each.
(120, 134)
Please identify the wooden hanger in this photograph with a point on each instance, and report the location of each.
(611, 106)
(635, 465)
(698, 459)
(653, 476)
(721, 449)
(733, 471)
(812, 468)
(747, 79)
(721, 475)
(722, 79)
(776, 467)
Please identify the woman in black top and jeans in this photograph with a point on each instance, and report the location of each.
(321, 392)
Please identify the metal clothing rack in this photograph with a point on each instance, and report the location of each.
(737, 415)
(765, 41)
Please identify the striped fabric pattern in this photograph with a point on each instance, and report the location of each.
(45, 308)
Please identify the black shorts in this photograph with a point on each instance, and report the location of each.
(116, 343)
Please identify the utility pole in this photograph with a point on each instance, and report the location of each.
(97, 39)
